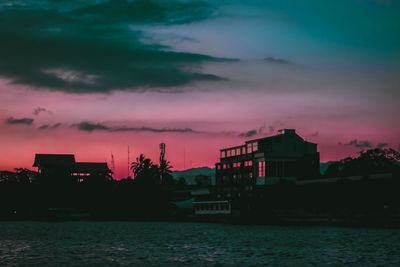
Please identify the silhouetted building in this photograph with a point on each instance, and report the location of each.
(264, 161)
(51, 166)
(83, 170)
(64, 166)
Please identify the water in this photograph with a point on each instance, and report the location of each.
(193, 244)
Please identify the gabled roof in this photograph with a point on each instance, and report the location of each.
(91, 167)
(54, 160)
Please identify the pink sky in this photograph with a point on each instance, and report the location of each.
(218, 118)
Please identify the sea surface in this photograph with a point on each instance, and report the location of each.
(193, 244)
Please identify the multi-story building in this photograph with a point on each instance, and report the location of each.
(261, 162)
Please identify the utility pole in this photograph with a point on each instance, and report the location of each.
(112, 164)
(128, 162)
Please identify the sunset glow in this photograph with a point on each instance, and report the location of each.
(198, 76)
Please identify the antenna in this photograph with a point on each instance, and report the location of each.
(112, 164)
(184, 156)
(162, 158)
(128, 161)
(162, 152)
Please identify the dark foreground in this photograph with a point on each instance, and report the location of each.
(193, 244)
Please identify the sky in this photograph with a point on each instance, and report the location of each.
(91, 78)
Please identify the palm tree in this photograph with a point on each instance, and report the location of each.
(144, 170)
(138, 165)
(165, 170)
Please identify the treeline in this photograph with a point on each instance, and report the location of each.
(148, 195)
(372, 161)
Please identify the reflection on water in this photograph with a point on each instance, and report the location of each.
(193, 244)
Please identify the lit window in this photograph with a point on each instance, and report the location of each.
(250, 163)
(223, 154)
(228, 153)
(261, 169)
(233, 152)
(249, 148)
(255, 146)
(237, 151)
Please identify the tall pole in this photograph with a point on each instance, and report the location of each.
(128, 161)
(162, 160)
(184, 156)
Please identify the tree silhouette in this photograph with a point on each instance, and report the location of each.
(144, 170)
(372, 161)
(165, 170)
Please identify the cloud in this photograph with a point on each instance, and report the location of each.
(249, 133)
(261, 130)
(90, 127)
(361, 144)
(271, 129)
(49, 127)
(277, 60)
(382, 145)
(25, 121)
(100, 47)
(38, 110)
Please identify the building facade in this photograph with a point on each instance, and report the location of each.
(261, 162)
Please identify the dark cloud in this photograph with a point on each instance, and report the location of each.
(382, 145)
(315, 134)
(90, 127)
(361, 144)
(38, 110)
(89, 48)
(277, 60)
(261, 130)
(249, 133)
(271, 129)
(47, 126)
(25, 121)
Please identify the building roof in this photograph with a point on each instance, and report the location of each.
(54, 159)
(282, 132)
(91, 167)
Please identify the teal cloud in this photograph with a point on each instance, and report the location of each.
(90, 48)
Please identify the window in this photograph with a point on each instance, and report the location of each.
(237, 151)
(255, 146)
(249, 148)
(233, 152)
(248, 163)
(243, 150)
(228, 153)
(223, 154)
(261, 169)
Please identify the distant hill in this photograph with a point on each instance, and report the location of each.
(190, 174)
